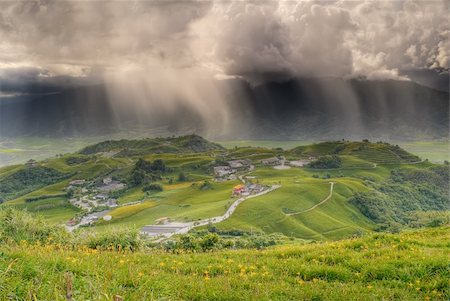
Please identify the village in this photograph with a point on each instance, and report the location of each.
(93, 198)
(96, 198)
(229, 172)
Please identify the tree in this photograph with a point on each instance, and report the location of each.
(158, 165)
(326, 162)
(143, 165)
(152, 187)
(137, 177)
(182, 177)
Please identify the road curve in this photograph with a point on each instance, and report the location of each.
(182, 228)
(318, 204)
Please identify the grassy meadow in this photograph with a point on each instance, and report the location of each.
(405, 266)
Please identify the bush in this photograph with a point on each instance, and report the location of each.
(145, 171)
(404, 198)
(76, 160)
(205, 185)
(45, 196)
(28, 179)
(182, 177)
(152, 187)
(116, 240)
(18, 226)
(326, 162)
(209, 242)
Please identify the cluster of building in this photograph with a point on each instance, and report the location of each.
(247, 189)
(89, 196)
(273, 161)
(301, 162)
(281, 161)
(228, 172)
(89, 219)
(110, 185)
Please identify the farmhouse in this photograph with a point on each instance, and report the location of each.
(221, 171)
(239, 163)
(238, 189)
(77, 182)
(248, 189)
(271, 161)
(100, 197)
(111, 203)
(111, 186)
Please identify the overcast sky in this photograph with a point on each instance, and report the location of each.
(62, 43)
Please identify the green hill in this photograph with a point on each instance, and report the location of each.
(379, 152)
(190, 192)
(182, 144)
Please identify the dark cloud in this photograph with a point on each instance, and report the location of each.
(163, 55)
(235, 38)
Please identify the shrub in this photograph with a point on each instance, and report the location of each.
(325, 162)
(28, 179)
(152, 187)
(116, 240)
(209, 242)
(206, 185)
(182, 177)
(76, 160)
(18, 226)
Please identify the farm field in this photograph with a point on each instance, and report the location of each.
(405, 266)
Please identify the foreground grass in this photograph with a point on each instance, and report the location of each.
(408, 266)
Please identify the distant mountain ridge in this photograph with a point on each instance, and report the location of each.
(304, 108)
(182, 144)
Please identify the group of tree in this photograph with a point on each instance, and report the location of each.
(28, 179)
(152, 187)
(145, 172)
(326, 162)
(398, 201)
(205, 240)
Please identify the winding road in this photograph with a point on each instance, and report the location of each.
(318, 204)
(167, 230)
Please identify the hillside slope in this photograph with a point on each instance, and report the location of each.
(182, 170)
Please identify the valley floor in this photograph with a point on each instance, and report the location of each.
(408, 266)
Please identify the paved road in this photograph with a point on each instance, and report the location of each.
(318, 204)
(87, 219)
(167, 230)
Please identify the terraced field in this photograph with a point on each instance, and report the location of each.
(301, 188)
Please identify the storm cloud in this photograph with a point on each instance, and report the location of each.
(155, 57)
(246, 39)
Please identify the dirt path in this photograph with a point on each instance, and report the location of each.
(318, 204)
